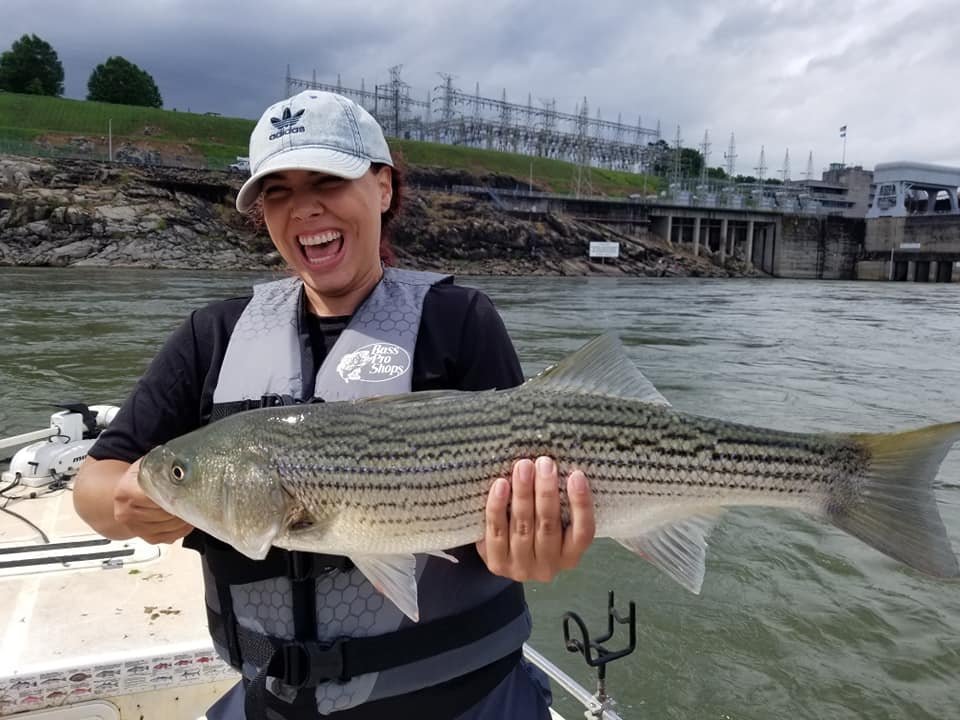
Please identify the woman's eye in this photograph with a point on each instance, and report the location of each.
(273, 191)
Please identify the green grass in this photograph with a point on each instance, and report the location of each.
(219, 140)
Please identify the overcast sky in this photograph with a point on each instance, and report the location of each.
(783, 74)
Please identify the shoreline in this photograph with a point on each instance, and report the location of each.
(85, 213)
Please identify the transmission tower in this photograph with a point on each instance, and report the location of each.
(785, 171)
(731, 157)
(677, 163)
(809, 173)
(761, 169)
(705, 153)
(583, 181)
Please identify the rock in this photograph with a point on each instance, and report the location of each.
(86, 212)
(78, 249)
(128, 153)
(117, 213)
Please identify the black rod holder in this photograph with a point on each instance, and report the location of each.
(593, 651)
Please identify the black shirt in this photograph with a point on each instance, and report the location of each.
(462, 344)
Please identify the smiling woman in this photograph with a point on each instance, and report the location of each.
(327, 228)
(322, 635)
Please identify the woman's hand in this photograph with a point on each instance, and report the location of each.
(141, 515)
(525, 538)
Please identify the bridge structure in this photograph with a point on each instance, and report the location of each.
(750, 234)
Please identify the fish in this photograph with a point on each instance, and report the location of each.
(383, 479)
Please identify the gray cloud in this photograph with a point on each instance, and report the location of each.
(781, 74)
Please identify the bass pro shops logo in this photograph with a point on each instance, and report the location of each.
(377, 362)
(286, 124)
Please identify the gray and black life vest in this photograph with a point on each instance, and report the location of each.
(296, 621)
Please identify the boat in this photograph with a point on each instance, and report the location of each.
(99, 629)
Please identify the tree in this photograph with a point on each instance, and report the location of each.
(120, 81)
(31, 66)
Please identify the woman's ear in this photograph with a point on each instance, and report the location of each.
(385, 183)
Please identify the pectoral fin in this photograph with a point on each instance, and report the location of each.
(678, 548)
(395, 576)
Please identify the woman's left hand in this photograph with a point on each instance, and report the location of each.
(525, 538)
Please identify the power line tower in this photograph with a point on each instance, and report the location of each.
(809, 173)
(785, 171)
(761, 169)
(583, 182)
(446, 128)
(731, 158)
(705, 154)
(399, 95)
(677, 169)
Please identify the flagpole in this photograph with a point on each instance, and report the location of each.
(843, 155)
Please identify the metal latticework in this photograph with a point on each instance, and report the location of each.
(454, 117)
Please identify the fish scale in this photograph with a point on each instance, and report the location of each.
(391, 477)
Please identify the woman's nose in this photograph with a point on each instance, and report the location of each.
(307, 204)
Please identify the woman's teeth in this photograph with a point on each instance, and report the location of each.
(320, 238)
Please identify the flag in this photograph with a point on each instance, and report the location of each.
(843, 131)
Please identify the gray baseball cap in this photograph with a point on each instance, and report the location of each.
(315, 130)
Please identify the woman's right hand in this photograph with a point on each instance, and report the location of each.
(108, 497)
(141, 515)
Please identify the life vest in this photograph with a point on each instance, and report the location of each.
(309, 632)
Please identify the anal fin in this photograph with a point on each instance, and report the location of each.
(677, 548)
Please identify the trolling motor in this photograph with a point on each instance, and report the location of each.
(55, 453)
(594, 652)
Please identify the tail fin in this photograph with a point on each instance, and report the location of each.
(896, 511)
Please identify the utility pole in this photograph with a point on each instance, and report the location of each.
(705, 153)
(785, 171)
(761, 169)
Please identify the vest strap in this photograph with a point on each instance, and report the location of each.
(306, 663)
(225, 409)
(230, 567)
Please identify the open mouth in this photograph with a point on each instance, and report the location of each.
(321, 247)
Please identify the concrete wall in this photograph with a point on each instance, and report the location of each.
(935, 233)
(817, 247)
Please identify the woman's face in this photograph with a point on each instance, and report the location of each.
(328, 230)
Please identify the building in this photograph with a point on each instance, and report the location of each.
(842, 190)
(913, 224)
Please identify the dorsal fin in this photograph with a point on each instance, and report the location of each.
(600, 367)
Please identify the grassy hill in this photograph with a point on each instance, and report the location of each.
(33, 125)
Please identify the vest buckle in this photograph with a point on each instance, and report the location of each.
(274, 400)
(307, 664)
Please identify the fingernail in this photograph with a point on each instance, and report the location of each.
(577, 484)
(501, 488)
(544, 465)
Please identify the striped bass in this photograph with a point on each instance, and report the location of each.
(383, 479)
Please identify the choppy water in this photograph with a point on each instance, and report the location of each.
(796, 620)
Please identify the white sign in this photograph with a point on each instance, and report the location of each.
(604, 249)
(909, 246)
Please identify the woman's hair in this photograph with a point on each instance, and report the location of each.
(398, 184)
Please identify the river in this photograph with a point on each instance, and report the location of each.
(796, 619)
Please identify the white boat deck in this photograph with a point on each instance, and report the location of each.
(84, 618)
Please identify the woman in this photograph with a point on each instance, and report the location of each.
(324, 179)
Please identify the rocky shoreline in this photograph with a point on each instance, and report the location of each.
(89, 213)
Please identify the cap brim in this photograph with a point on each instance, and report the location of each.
(323, 160)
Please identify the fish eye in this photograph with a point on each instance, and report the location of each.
(178, 473)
